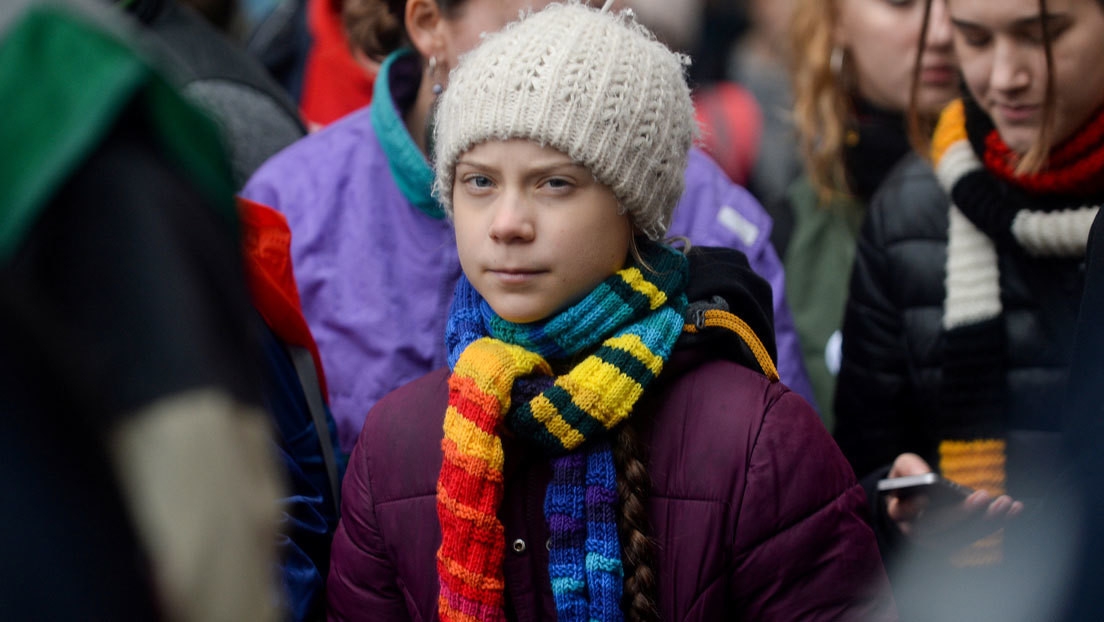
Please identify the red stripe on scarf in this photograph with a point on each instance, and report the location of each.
(1075, 167)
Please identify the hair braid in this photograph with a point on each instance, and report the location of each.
(638, 551)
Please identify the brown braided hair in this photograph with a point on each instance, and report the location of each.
(638, 550)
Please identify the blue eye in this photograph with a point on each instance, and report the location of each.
(478, 181)
(557, 183)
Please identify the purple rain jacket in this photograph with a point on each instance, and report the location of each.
(376, 259)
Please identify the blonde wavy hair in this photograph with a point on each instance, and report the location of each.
(822, 102)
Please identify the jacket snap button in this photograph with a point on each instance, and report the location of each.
(519, 546)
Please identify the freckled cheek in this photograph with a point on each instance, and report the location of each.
(596, 255)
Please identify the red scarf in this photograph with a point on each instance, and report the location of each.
(1075, 167)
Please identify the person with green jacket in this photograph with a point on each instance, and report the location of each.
(853, 63)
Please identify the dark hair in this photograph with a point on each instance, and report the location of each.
(219, 13)
(377, 27)
(1036, 157)
(638, 551)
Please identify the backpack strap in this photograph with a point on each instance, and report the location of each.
(713, 317)
(308, 379)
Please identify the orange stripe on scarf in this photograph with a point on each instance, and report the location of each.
(980, 465)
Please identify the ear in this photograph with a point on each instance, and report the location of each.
(425, 25)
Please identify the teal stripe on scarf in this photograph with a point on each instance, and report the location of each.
(613, 304)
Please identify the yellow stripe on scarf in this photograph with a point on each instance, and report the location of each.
(598, 388)
(635, 279)
(494, 365)
(471, 440)
(549, 416)
(950, 129)
(978, 464)
(634, 345)
(608, 406)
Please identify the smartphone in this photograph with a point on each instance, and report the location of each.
(938, 489)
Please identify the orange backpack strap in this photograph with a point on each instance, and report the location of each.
(719, 318)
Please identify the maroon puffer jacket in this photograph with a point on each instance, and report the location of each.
(756, 513)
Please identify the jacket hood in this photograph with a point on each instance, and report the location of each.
(721, 278)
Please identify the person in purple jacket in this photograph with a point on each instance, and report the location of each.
(375, 256)
(616, 443)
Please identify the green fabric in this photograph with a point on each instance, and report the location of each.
(411, 172)
(818, 264)
(64, 82)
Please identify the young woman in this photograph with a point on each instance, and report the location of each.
(375, 257)
(852, 76)
(609, 450)
(960, 325)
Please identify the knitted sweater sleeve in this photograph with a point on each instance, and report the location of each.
(803, 549)
(363, 582)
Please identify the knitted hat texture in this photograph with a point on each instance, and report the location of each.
(590, 83)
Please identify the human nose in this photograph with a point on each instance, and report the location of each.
(512, 220)
(939, 35)
(1010, 70)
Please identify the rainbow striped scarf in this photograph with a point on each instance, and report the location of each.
(628, 324)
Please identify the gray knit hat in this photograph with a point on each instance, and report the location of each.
(590, 83)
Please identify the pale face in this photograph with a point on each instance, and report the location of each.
(1000, 47)
(535, 231)
(881, 37)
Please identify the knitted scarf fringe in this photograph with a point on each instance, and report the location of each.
(629, 324)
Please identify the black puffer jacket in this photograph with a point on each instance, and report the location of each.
(889, 384)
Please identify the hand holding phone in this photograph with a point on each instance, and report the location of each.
(939, 490)
(931, 508)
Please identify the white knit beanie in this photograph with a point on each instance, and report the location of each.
(590, 83)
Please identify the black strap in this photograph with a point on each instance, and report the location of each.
(308, 379)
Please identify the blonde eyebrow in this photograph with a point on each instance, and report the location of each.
(539, 169)
(474, 164)
(544, 169)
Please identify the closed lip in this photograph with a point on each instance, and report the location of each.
(938, 73)
(515, 270)
(515, 274)
(1017, 112)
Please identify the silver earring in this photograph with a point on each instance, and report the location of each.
(835, 61)
(431, 71)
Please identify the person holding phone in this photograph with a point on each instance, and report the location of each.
(959, 329)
